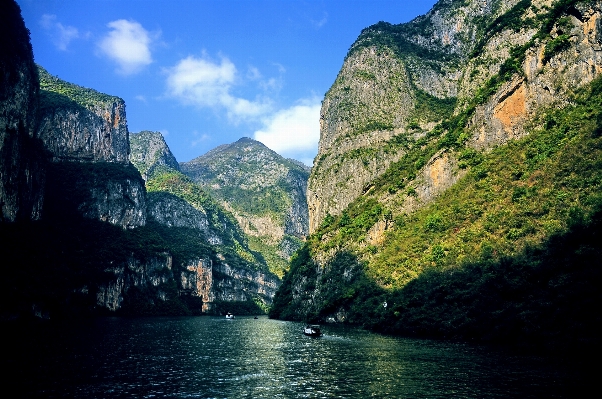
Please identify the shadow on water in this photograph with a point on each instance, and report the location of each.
(209, 357)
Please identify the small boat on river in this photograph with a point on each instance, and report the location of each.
(229, 316)
(312, 330)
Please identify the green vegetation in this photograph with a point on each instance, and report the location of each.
(396, 38)
(56, 93)
(235, 248)
(509, 254)
(63, 261)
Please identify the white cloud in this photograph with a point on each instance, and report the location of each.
(128, 44)
(60, 34)
(293, 132)
(205, 83)
(320, 23)
(199, 138)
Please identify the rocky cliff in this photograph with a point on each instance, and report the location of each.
(458, 161)
(74, 231)
(494, 63)
(80, 124)
(85, 134)
(265, 192)
(21, 168)
(230, 270)
(149, 151)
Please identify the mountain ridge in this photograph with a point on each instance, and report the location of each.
(264, 191)
(402, 203)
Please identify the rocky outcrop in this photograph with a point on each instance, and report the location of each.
(153, 272)
(172, 211)
(21, 159)
(548, 76)
(116, 201)
(197, 280)
(85, 133)
(149, 152)
(237, 284)
(79, 124)
(265, 192)
(218, 281)
(399, 81)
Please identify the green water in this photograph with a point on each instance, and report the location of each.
(209, 357)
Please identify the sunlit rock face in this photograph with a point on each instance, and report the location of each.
(265, 192)
(21, 161)
(85, 127)
(149, 151)
(375, 101)
(79, 124)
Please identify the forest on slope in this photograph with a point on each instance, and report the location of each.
(507, 253)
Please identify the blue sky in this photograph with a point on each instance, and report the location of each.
(206, 73)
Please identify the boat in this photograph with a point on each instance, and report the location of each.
(229, 316)
(312, 330)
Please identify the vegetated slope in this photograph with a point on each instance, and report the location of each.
(174, 200)
(486, 226)
(265, 192)
(148, 150)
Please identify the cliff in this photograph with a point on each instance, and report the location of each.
(85, 134)
(229, 270)
(457, 165)
(21, 158)
(80, 124)
(149, 151)
(75, 235)
(265, 193)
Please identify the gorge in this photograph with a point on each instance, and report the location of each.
(455, 193)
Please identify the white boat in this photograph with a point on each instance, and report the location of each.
(229, 316)
(312, 330)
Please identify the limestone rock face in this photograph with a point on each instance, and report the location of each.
(197, 280)
(140, 274)
(546, 80)
(172, 211)
(237, 284)
(265, 192)
(399, 81)
(21, 163)
(149, 152)
(79, 124)
(119, 202)
(85, 127)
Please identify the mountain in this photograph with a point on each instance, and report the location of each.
(21, 177)
(265, 192)
(81, 232)
(456, 189)
(237, 273)
(149, 151)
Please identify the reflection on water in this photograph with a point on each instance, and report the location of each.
(205, 357)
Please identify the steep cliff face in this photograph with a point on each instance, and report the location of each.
(230, 270)
(173, 211)
(79, 124)
(396, 84)
(21, 168)
(149, 151)
(154, 273)
(265, 192)
(85, 133)
(555, 60)
(399, 81)
(455, 205)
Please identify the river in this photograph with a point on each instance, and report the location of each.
(211, 357)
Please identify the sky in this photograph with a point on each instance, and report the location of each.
(208, 72)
